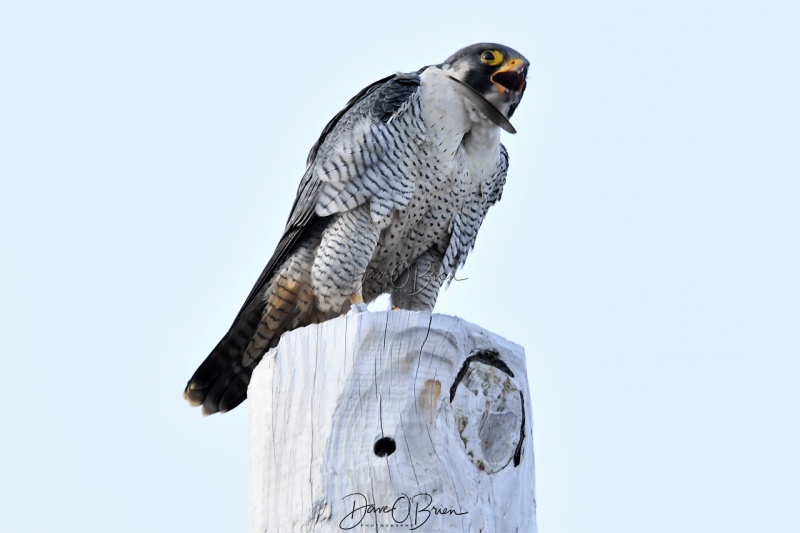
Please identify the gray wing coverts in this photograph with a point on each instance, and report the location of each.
(346, 167)
(367, 157)
(348, 164)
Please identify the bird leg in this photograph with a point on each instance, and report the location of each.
(357, 302)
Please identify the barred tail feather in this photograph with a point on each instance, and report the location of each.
(220, 384)
(222, 370)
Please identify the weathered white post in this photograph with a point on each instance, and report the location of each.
(395, 419)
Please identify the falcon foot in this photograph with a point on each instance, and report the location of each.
(357, 304)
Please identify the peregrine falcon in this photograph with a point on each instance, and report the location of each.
(393, 196)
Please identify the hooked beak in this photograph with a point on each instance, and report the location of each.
(510, 79)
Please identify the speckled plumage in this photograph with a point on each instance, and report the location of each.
(391, 202)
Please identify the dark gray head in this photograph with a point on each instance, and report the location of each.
(493, 70)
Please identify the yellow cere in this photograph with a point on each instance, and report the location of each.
(492, 58)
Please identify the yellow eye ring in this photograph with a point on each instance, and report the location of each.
(491, 58)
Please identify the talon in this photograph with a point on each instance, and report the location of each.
(357, 303)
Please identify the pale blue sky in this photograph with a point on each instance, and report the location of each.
(646, 252)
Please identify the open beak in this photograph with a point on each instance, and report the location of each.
(510, 79)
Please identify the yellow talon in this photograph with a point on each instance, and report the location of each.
(357, 303)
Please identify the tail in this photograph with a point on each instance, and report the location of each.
(220, 383)
(282, 299)
(288, 302)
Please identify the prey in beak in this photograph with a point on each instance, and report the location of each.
(492, 77)
(486, 107)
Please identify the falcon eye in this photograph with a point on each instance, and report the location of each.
(492, 58)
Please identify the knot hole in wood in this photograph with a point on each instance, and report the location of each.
(384, 447)
(489, 410)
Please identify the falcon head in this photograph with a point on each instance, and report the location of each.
(494, 71)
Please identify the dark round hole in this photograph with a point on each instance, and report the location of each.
(384, 446)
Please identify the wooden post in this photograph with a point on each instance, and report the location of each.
(392, 419)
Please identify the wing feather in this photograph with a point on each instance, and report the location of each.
(347, 166)
(466, 223)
